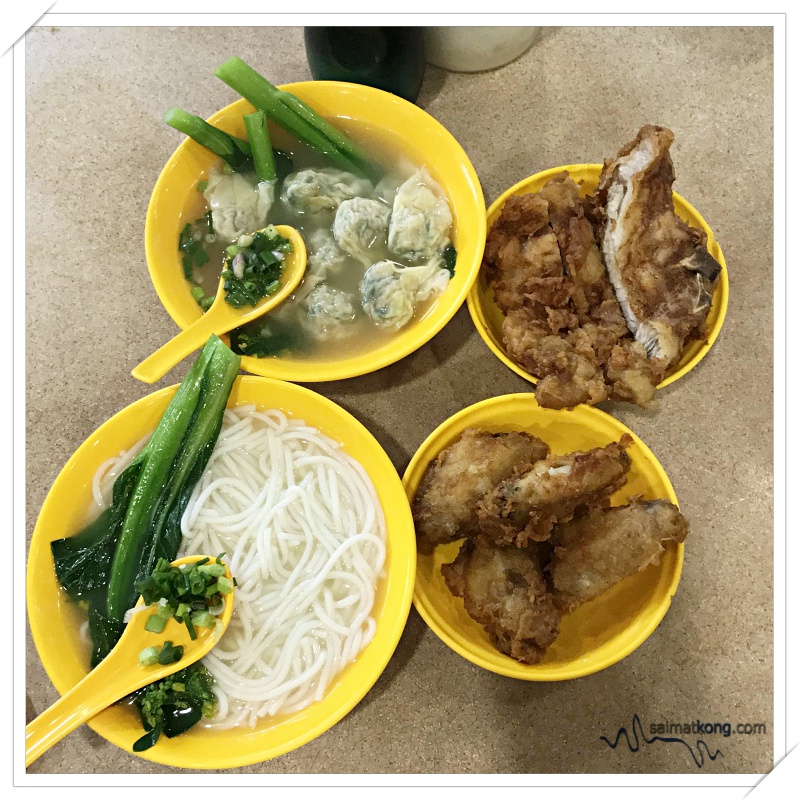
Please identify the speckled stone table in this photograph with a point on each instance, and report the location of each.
(94, 147)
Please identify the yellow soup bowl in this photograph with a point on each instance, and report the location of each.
(488, 318)
(385, 123)
(55, 620)
(596, 634)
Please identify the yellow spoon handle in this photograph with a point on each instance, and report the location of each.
(187, 341)
(87, 698)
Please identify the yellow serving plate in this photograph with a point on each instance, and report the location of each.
(488, 318)
(54, 619)
(596, 634)
(394, 124)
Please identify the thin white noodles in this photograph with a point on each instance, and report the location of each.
(300, 523)
(107, 473)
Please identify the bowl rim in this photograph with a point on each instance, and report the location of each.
(721, 291)
(397, 601)
(507, 666)
(332, 370)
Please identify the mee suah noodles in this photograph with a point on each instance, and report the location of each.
(301, 527)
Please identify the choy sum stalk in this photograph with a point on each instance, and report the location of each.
(234, 151)
(296, 117)
(102, 563)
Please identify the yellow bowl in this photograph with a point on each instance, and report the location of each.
(55, 620)
(596, 634)
(392, 123)
(488, 318)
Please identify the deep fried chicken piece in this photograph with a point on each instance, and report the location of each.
(631, 375)
(568, 370)
(444, 507)
(522, 259)
(504, 590)
(661, 270)
(527, 505)
(579, 251)
(595, 551)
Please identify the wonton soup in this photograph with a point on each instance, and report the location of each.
(379, 253)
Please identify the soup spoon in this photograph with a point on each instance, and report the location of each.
(120, 673)
(222, 317)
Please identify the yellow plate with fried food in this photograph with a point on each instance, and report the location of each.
(488, 318)
(603, 630)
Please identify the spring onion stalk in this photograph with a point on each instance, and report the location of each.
(235, 152)
(305, 124)
(257, 134)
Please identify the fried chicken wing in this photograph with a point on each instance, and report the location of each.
(595, 551)
(660, 268)
(444, 507)
(505, 591)
(527, 505)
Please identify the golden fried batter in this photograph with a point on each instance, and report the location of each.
(661, 270)
(569, 372)
(601, 548)
(579, 251)
(444, 505)
(504, 590)
(527, 505)
(522, 258)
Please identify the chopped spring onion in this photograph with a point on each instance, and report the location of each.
(192, 594)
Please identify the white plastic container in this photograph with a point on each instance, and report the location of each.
(476, 49)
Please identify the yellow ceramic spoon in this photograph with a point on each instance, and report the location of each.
(222, 317)
(120, 673)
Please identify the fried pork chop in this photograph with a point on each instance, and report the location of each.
(526, 506)
(444, 507)
(601, 548)
(505, 591)
(660, 268)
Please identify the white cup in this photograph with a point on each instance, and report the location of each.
(476, 49)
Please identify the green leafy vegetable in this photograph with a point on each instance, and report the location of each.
(257, 134)
(450, 255)
(175, 703)
(234, 151)
(296, 117)
(253, 267)
(101, 564)
(261, 341)
(190, 243)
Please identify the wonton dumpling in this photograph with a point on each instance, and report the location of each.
(329, 311)
(325, 257)
(238, 205)
(313, 190)
(360, 225)
(421, 218)
(390, 291)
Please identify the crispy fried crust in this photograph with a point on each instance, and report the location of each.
(504, 590)
(661, 268)
(595, 551)
(526, 506)
(564, 320)
(445, 503)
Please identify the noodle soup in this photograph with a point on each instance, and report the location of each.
(301, 527)
(330, 317)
